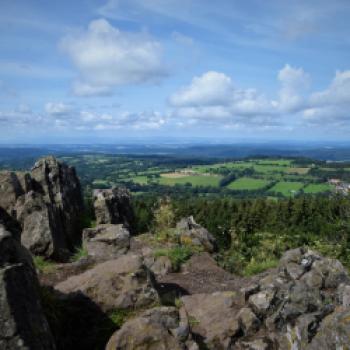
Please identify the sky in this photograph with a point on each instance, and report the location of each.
(89, 71)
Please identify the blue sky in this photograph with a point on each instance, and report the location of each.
(104, 71)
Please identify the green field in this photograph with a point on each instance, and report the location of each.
(317, 188)
(195, 180)
(287, 188)
(141, 180)
(247, 183)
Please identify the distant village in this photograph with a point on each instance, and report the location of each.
(340, 186)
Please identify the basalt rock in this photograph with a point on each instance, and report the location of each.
(160, 328)
(123, 283)
(193, 234)
(22, 321)
(113, 206)
(48, 204)
(106, 241)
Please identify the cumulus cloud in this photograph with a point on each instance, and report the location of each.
(294, 82)
(214, 98)
(107, 57)
(213, 95)
(337, 93)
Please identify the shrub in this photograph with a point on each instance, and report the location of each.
(79, 253)
(177, 255)
(255, 267)
(43, 265)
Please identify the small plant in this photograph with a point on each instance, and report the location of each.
(178, 303)
(118, 317)
(177, 255)
(255, 267)
(43, 265)
(79, 253)
(193, 321)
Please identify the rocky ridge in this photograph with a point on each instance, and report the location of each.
(129, 294)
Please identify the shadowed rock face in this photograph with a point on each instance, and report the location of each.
(113, 206)
(48, 204)
(22, 321)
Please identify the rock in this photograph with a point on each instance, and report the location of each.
(48, 204)
(214, 317)
(121, 283)
(193, 234)
(152, 330)
(259, 344)
(343, 294)
(262, 301)
(113, 206)
(22, 321)
(249, 322)
(161, 266)
(106, 241)
(334, 331)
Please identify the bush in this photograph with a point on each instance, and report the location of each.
(43, 265)
(79, 253)
(255, 267)
(177, 255)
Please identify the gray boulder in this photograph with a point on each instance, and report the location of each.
(160, 328)
(113, 206)
(122, 283)
(191, 233)
(48, 204)
(22, 321)
(106, 241)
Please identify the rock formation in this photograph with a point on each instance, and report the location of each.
(48, 204)
(112, 206)
(160, 328)
(122, 283)
(191, 233)
(22, 321)
(106, 241)
(301, 305)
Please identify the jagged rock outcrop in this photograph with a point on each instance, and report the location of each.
(106, 241)
(113, 206)
(22, 321)
(191, 233)
(301, 305)
(122, 283)
(48, 204)
(161, 328)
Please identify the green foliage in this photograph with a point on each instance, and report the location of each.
(164, 217)
(118, 317)
(79, 253)
(43, 265)
(254, 267)
(177, 255)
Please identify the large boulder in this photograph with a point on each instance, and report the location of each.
(22, 321)
(193, 234)
(160, 328)
(48, 204)
(214, 317)
(113, 206)
(106, 241)
(123, 283)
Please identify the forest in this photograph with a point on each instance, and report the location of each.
(253, 233)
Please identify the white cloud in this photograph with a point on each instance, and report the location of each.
(107, 57)
(57, 108)
(294, 82)
(337, 93)
(213, 96)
